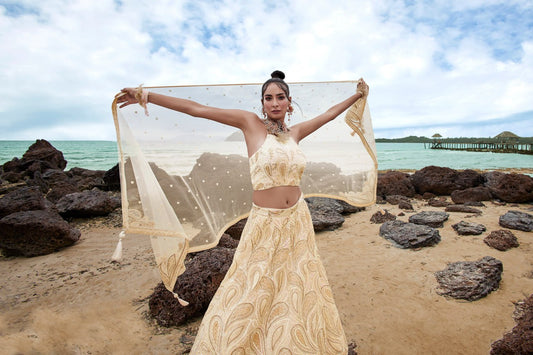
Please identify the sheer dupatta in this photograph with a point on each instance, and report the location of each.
(185, 180)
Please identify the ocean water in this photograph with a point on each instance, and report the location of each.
(103, 155)
(93, 155)
(415, 156)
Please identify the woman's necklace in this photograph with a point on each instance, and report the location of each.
(276, 127)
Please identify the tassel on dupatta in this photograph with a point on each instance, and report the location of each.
(117, 255)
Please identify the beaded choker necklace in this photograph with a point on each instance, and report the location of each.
(275, 127)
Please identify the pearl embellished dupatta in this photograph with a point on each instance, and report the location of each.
(185, 180)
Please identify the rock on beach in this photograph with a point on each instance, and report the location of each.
(32, 216)
(462, 185)
(470, 280)
(468, 228)
(501, 240)
(409, 235)
(517, 220)
(433, 219)
(34, 233)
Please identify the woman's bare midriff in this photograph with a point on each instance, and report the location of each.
(277, 197)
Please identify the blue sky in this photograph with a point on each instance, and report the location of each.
(459, 68)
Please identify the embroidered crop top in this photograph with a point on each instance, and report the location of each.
(278, 162)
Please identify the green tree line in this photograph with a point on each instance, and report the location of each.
(421, 139)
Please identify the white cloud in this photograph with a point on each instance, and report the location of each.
(440, 63)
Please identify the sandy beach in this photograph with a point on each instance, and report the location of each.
(76, 301)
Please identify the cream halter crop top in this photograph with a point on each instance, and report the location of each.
(278, 162)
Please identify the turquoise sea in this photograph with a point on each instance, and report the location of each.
(93, 155)
(103, 155)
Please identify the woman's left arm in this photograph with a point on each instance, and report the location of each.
(303, 129)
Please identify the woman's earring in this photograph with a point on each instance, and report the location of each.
(290, 114)
(264, 114)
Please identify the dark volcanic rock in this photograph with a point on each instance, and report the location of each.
(326, 213)
(469, 178)
(468, 228)
(40, 156)
(6, 187)
(516, 188)
(519, 340)
(86, 179)
(409, 235)
(326, 220)
(501, 240)
(22, 199)
(474, 204)
(112, 179)
(470, 280)
(319, 203)
(226, 241)
(349, 209)
(88, 203)
(42, 150)
(433, 219)
(438, 202)
(235, 230)
(462, 208)
(197, 285)
(60, 184)
(396, 199)
(382, 217)
(473, 194)
(443, 181)
(428, 196)
(395, 183)
(517, 220)
(11, 176)
(32, 233)
(406, 205)
(351, 348)
(38, 180)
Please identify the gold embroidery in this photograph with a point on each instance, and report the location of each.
(354, 116)
(277, 163)
(275, 298)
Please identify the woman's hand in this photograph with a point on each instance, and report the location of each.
(362, 87)
(127, 97)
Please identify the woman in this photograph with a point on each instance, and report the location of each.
(275, 297)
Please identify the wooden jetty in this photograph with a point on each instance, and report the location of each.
(505, 142)
(495, 147)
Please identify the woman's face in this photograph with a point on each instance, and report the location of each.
(275, 102)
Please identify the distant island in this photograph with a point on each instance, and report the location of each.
(410, 139)
(421, 139)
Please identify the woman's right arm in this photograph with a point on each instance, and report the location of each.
(237, 118)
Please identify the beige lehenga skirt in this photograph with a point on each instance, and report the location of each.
(275, 298)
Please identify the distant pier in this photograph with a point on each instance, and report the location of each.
(519, 148)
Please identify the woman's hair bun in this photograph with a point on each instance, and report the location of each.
(278, 74)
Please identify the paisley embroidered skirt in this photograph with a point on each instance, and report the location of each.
(275, 298)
